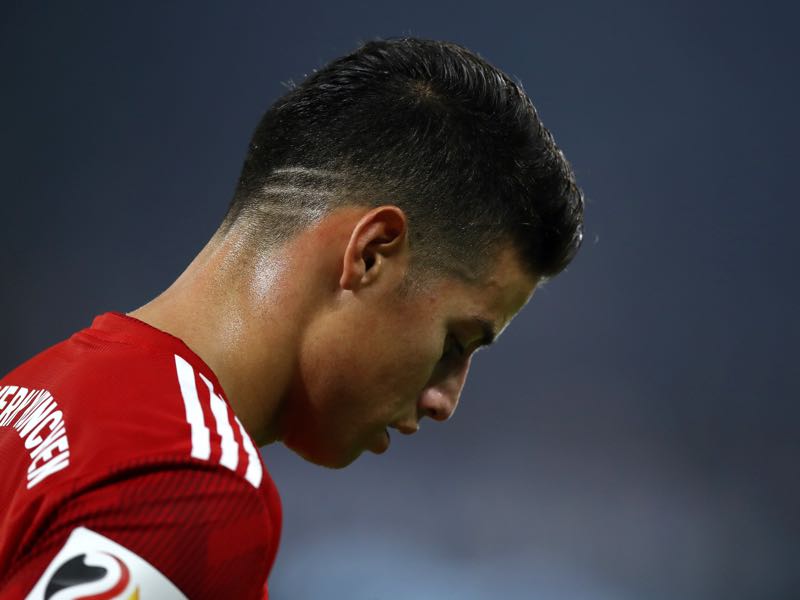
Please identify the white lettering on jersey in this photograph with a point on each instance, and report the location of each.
(35, 416)
(229, 456)
(91, 565)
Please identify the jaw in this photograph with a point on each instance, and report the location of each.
(330, 458)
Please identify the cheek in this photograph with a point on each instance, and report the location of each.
(390, 352)
(415, 363)
(370, 360)
(419, 344)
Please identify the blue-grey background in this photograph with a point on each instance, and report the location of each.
(634, 435)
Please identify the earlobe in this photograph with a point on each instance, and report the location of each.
(379, 234)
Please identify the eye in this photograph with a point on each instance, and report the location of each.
(453, 350)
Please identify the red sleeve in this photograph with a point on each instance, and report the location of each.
(203, 527)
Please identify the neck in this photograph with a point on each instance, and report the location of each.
(241, 315)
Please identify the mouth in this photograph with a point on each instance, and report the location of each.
(382, 441)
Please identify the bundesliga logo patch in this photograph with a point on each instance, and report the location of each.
(98, 569)
(92, 567)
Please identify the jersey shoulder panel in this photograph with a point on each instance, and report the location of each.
(109, 401)
(198, 527)
(102, 404)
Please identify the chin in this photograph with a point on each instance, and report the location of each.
(323, 457)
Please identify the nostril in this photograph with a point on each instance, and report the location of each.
(437, 414)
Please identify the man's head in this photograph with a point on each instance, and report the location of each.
(429, 127)
(413, 187)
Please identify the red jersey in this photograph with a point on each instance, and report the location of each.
(124, 473)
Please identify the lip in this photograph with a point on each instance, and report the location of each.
(405, 428)
(382, 442)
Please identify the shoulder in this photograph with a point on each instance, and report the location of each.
(110, 405)
(137, 444)
(198, 528)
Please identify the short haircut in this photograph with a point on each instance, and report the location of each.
(430, 127)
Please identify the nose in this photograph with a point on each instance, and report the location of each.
(439, 399)
(437, 405)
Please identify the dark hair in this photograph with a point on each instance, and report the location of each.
(428, 126)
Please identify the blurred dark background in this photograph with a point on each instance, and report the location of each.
(634, 435)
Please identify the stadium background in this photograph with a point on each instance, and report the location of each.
(634, 435)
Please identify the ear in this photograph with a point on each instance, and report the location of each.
(378, 235)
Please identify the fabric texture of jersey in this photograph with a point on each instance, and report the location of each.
(124, 430)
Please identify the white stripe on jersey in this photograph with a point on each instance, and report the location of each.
(254, 471)
(201, 436)
(230, 449)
